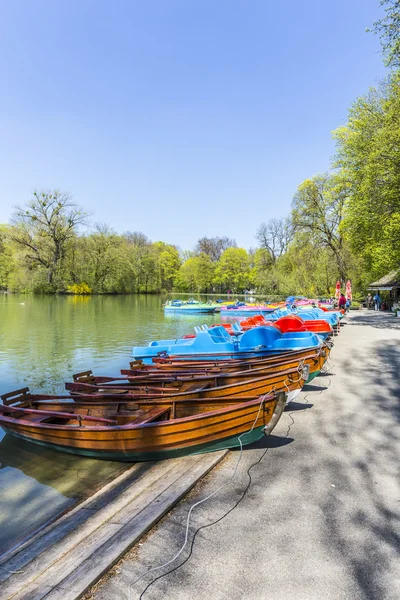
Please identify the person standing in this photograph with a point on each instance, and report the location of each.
(377, 301)
(342, 301)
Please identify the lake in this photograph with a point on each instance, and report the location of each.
(43, 340)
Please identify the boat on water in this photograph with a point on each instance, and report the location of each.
(189, 307)
(255, 342)
(243, 310)
(161, 381)
(177, 366)
(288, 324)
(292, 323)
(137, 431)
(333, 318)
(242, 384)
(224, 363)
(200, 374)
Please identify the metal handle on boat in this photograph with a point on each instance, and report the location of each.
(279, 408)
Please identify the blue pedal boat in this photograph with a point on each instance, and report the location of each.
(306, 315)
(188, 308)
(216, 342)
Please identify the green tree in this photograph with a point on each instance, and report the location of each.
(196, 274)
(233, 270)
(318, 210)
(368, 154)
(7, 264)
(388, 29)
(168, 263)
(43, 230)
(214, 247)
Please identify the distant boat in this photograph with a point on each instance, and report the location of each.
(243, 310)
(189, 307)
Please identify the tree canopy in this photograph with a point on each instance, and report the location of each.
(368, 156)
(388, 30)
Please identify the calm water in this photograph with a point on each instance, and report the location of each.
(43, 340)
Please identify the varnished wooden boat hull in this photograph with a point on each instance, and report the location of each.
(228, 365)
(183, 381)
(285, 380)
(196, 433)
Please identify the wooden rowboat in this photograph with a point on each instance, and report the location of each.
(239, 385)
(184, 381)
(223, 361)
(136, 431)
(315, 359)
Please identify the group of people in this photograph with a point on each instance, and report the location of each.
(375, 301)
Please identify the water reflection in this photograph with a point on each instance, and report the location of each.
(43, 340)
(38, 484)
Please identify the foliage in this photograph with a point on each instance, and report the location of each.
(318, 210)
(214, 247)
(233, 270)
(44, 229)
(79, 289)
(6, 257)
(388, 29)
(368, 154)
(196, 274)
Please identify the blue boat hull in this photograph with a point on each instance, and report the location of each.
(217, 343)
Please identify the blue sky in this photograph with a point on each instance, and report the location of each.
(177, 118)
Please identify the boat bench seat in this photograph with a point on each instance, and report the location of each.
(35, 418)
(150, 415)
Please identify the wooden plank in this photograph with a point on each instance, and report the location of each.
(32, 592)
(122, 488)
(92, 569)
(77, 555)
(77, 525)
(59, 567)
(71, 560)
(150, 415)
(15, 395)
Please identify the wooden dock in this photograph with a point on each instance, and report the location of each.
(64, 560)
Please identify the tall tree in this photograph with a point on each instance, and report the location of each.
(275, 236)
(318, 209)
(196, 274)
(368, 154)
(6, 257)
(43, 229)
(168, 262)
(388, 29)
(214, 247)
(233, 270)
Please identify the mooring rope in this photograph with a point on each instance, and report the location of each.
(226, 483)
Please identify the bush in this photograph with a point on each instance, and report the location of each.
(79, 289)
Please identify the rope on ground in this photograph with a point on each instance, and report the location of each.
(242, 496)
(190, 513)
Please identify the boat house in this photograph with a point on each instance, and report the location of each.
(389, 283)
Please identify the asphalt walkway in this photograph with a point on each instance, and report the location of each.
(313, 512)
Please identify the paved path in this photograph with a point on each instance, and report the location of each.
(314, 512)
